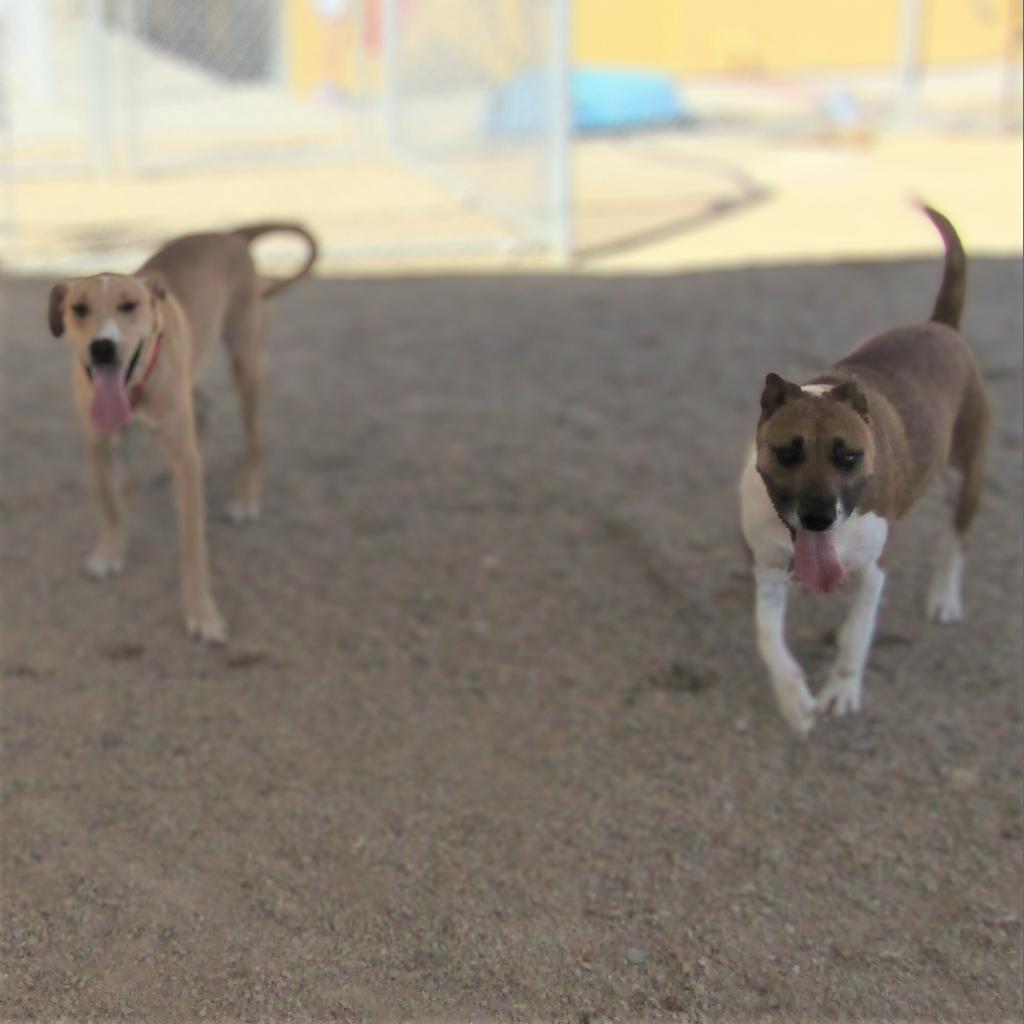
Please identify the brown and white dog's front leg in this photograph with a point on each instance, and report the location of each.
(107, 557)
(845, 685)
(202, 618)
(788, 681)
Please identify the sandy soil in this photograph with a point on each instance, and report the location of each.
(490, 742)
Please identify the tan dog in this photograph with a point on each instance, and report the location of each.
(838, 460)
(138, 342)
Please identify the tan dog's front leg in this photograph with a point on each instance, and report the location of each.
(107, 556)
(203, 620)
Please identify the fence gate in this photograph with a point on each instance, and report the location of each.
(52, 86)
(204, 83)
(467, 96)
(476, 97)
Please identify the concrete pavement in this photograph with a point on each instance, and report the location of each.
(647, 203)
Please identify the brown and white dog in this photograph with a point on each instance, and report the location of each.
(838, 460)
(138, 341)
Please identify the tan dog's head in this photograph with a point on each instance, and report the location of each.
(816, 454)
(111, 321)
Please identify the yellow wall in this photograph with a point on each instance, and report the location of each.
(714, 36)
(678, 36)
(327, 51)
(320, 53)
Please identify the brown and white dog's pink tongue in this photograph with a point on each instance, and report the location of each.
(815, 562)
(111, 409)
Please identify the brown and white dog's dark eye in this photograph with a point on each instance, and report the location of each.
(790, 455)
(845, 458)
(128, 306)
(80, 309)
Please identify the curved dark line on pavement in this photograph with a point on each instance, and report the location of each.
(715, 210)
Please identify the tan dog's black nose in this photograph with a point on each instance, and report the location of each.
(102, 352)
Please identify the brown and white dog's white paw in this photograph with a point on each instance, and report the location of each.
(944, 602)
(945, 609)
(101, 564)
(842, 694)
(796, 703)
(239, 512)
(207, 625)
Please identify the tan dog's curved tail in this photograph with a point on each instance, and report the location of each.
(254, 231)
(949, 303)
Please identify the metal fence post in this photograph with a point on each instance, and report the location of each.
(7, 207)
(389, 31)
(909, 65)
(560, 127)
(279, 55)
(132, 82)
(98, 87)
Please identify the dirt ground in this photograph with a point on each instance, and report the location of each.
(490, 741)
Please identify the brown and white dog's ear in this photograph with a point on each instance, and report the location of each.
(776, 393)
(850, 394)
(58, 294)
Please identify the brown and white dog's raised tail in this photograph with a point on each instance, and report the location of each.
(949, 303)
(254, 231)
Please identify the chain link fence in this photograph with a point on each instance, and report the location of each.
(477, 98)
(205, 84)
(138, 88)
(52, 85)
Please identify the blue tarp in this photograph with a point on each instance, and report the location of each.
(602, 100)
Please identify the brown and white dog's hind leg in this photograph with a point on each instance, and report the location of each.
(967, 459)
(945, 591)
(178, 440)
(244, 337)
(844, 688)
(107, 557)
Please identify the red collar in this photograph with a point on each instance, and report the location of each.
(136, 390)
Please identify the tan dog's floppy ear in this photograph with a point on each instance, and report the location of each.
(776, 393)
(57, 296)
(156, 285)
(849, 393)
(155, 282)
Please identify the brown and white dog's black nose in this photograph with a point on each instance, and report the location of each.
(102, 352)
(817, 514)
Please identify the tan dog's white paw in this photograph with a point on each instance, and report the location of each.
(240, 512)
(796, 704)
(841, 695)
(100, 565)
(207, 626)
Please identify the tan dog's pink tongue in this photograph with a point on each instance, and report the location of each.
(815, 562)
(111, 409)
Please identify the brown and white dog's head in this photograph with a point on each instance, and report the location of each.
(111, 320)
(815, 454)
